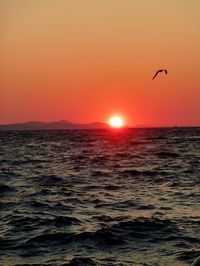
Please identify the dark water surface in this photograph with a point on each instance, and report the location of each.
(100, 197)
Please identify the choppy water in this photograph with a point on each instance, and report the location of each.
(100, 197)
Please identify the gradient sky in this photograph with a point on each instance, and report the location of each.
(86, 60)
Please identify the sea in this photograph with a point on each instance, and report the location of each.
(100, 197)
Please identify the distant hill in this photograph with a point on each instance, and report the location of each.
(63, 124)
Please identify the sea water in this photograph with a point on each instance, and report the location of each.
(100, 197)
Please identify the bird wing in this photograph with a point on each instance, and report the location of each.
(166, 71)
(156, 74)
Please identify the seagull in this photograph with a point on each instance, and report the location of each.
(160, 70)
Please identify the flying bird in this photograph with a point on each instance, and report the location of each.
(159, 71)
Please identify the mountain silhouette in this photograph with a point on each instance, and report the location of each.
(56, 125)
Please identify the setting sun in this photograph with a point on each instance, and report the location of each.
(116, 121)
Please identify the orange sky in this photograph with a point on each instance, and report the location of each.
(84, 61)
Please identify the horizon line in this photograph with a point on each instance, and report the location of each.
(100, 122)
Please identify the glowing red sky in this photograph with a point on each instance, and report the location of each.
(85, 61)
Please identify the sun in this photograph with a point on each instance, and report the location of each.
(116, 121)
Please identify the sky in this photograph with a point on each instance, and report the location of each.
(85, 61)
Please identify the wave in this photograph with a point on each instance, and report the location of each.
(51, 180)
(4, 189)
(59, 221)
(142, 224)
(167, 154)
(146, 173)
(188, 255)
(102, 237)
(111, 187)
(81, 261)
(151, 229)
(127, 204)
